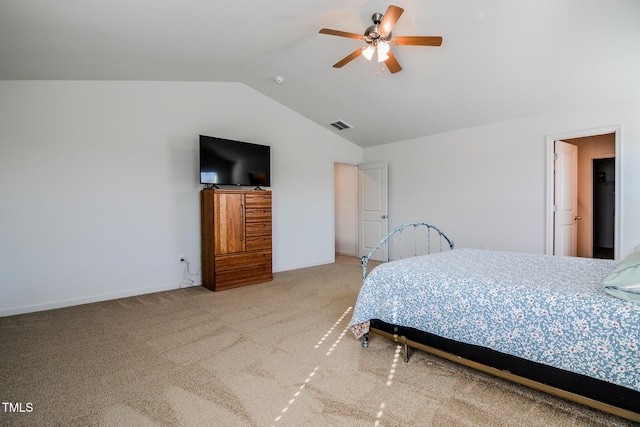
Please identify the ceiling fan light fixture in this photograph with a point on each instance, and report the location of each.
(383, 51)
(378, 39)
(368, 52)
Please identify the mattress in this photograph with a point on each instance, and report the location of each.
(547, 309)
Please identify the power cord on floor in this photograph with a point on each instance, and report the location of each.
(187, 281)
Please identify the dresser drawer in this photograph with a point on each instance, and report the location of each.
(258, 200)
(259, 243)
(257, 215)
(253, 229)
(249, 276)
(225, 263)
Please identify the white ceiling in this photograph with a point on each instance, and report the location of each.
(500, 59)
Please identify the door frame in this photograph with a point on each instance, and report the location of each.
(550, 140)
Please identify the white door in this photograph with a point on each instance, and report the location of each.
(373, 203)
(565, 241)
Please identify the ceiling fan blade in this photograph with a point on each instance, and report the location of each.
(341, 34)
(417, 41)
(392, 63)
(390, 18)
(344, 61)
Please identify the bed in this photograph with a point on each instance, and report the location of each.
(548, 322)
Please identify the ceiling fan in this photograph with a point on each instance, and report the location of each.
(378, 38)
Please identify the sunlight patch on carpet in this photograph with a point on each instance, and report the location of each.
(333, 327)
(392, 373)
(328, 353)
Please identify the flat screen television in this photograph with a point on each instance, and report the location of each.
(229, 162)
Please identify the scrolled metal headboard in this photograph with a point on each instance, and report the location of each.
(398, 231)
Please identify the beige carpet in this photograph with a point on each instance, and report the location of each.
(274, 354)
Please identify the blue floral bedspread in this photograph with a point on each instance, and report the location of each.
(547, 309)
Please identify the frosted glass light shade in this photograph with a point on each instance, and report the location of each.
(368, 52)
(383, 51)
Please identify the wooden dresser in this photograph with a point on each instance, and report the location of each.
(236, 237)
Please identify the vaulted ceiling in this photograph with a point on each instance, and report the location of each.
(500, 59)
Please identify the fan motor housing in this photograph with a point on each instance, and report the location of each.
(371, 34)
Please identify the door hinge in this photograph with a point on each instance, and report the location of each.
(555, 156)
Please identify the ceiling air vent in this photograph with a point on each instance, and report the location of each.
(340, 125)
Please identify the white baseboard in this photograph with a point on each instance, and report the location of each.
(299, 266)
(84, 300)
(353, 254)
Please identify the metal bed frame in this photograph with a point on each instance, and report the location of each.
(587, 391)
(398, 231)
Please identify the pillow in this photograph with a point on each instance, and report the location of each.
(624, 280)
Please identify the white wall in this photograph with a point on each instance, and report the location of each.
(99, 184)
(486, 186)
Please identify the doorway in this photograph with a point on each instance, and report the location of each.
(345, 205)
(604, 189)
(592, 145)
(361, 218)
